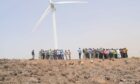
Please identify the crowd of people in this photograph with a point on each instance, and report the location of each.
(55, 54)
(87, 53)
(103, 53)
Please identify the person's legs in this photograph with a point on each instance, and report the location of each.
(43, 56)
(83, 55)
(98, 55)
(123, 55)
(51, 57)
(33, 57)
(116, 56)
(111, 55)
(66, 56)
(105, 56)
(69, 57)
(54, 56)
(126, 55)
(89, 55)
(63, 56)
(92, 55)
(48, 56)
(79, 55)
(60, 56)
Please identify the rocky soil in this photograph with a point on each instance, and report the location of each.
(118, 71)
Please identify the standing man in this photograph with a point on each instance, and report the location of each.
(90, 53)
(66, 54)
(43, 54)
(62, 54)
(58, 54)
(33, 54)
(84, 53)
(69, 54)
(80, 53)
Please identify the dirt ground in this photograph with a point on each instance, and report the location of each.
(118, 71)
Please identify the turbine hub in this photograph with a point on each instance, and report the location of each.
(52, 6)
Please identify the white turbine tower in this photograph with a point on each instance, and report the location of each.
(52, 8)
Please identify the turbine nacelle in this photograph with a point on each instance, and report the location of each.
(52, 6)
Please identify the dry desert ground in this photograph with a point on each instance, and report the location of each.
(117, 71)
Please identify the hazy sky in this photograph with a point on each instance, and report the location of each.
(100, 23)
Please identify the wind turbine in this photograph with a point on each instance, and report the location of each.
(52, 8)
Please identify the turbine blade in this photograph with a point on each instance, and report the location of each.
(69, 2)
(41, 18)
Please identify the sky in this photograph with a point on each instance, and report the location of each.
(99, 23)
